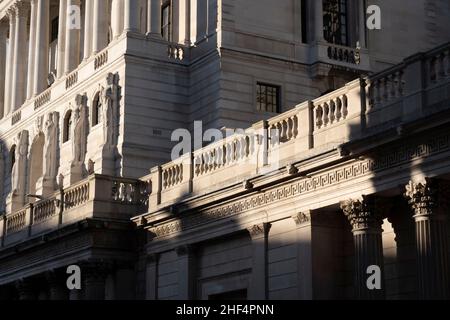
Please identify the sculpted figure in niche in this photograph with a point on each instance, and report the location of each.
(80, 131)
(50, 147)
(110, 109)
(17, 181)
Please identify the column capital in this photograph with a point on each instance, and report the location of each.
(428, 197)
(22, 9)
(259, 230)
(302, 218)
(365, 213)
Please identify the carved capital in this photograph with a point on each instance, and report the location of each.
(429, 197)
(259, 229)
(364, 214)
(302, 218)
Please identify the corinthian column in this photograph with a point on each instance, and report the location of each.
(429, 200)
(154, 18)
(31, 50)
(62, 37)
(116, 18)
(99, 26)
(131, 18)
(258, 288)
(72, 43)
(20, 55)
(10, 61)
(42, 43)
(88, 14)
(366, 221)
(3, 35)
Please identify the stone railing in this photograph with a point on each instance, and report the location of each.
(71, 79)
(361, 108)
(43, 99)
(98, 196)
(16, 117)
(45, 209)
(101, 59)
(342, 54)
(176, 51)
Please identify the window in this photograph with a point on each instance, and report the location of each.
(54, 30)
(96, 110)
(67, 126)
(166, 21)
(268, 98)
(12, 157)
(335, 21)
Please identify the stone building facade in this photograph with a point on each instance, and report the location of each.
(296, 206)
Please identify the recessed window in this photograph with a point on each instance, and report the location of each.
(335, 21)
(166, 21)
(67, 132)
(54, 29)
(96, 110)
(12, 157)
(267, 98)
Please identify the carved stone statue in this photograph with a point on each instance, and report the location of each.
(50, 147)
(19, 166)
(80, 132)
(110, 98)
(79, 141)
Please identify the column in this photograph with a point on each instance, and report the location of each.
(131, 16)
(152, 277)
(88, 14)
(56, 286)
(42, 44)
(31, 50)
(186, 272)
(116, 18)
(62, 37)
(72, 44)
(318, 19)
(304, 255)
(361, 14)
(429, 200)
(99, 26)
(366, 221)
(95, 274)
(25, 290)
(10, 62)
(154, 18)
(3, 37)
(258, 288)
(20, 55)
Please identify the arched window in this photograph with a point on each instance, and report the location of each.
(12, 157)
(96, 110)
(67, 126)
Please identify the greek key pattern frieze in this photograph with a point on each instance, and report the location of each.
(394, 156)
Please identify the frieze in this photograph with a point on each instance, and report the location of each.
(394, 156)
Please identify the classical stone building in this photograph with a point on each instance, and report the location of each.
(296, 206)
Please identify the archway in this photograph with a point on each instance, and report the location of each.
(36, 163)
